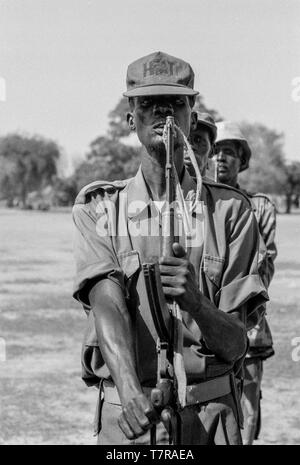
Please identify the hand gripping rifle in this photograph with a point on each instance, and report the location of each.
(164, 396)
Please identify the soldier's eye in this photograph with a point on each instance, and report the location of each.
(145, 102)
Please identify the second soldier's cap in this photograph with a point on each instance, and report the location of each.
(206, 120)
(228, 130)
(159, 74)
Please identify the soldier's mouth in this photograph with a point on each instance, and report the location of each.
(159, 127)
(222, 168)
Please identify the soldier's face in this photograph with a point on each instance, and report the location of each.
(228, 162)
(201, 145)
(150, 113)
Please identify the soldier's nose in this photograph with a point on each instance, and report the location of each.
(164, 109)
(220, 155)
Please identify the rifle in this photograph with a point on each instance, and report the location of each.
(164, 396)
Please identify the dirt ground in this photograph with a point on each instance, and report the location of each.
(43, 400)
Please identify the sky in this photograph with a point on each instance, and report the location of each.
(63, 63)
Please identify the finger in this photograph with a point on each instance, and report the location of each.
(173, 281)
(172, 261)
(179, 250)
(143, 410)
(172, 270)
(151, 414)
(135, 418)
(173, 292)
(123, 424)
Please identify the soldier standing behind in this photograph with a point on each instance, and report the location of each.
(232, 157)
(202, 140)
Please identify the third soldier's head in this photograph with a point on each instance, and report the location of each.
(232, 152)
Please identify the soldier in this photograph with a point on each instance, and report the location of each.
(220, 293)
(202, 140)
(232, 157)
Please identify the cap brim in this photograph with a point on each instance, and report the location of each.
(208, 125)
(160, 90)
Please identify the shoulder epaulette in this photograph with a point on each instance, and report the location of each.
(212, 183)
(109, 187)
(259, 194)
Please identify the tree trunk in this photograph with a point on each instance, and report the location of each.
(288, 203)
(24, 198)
(9, 202)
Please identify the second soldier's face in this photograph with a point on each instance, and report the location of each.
(201, 145)
(228, 162)
(150, 113)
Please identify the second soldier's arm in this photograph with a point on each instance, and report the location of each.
(267, 227)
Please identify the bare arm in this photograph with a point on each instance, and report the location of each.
(115, 338)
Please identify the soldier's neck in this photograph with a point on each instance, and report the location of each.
(155, 176)
(233, 182)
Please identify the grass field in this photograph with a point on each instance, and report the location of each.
(43, 400)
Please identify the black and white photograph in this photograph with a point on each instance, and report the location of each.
(150, 225)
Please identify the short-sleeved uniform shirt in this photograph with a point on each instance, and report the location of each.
(113, 237)
(260, 337)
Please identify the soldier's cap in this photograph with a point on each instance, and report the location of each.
(228, 130)
(159, 74)
(206, 120)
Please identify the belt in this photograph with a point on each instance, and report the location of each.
(195, 393)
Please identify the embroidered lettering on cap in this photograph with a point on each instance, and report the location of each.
(158, 66)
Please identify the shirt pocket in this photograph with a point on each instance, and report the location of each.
(213, 269)
(130, 265)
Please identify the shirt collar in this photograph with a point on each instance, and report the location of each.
(138, 195)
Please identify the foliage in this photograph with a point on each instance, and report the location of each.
(292, 186)
(108, 159)
(267, 171)
(118, 126)
(28, 163)
(64, 191)
(200, 106)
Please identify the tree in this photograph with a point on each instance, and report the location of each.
(292, 186)
(118, 127)
(200, 106)
(266, 172)
(28, 163)
(108, 159)
(64, 191)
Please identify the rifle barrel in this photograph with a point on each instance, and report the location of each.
(169, 214)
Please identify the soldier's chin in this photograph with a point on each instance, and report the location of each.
(222, 178)
(157, 143)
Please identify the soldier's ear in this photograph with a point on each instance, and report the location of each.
(212, 151)
(194, 120)
(130, 121)
(243, 160)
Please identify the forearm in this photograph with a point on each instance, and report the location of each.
(224, 334)
(115, 337)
